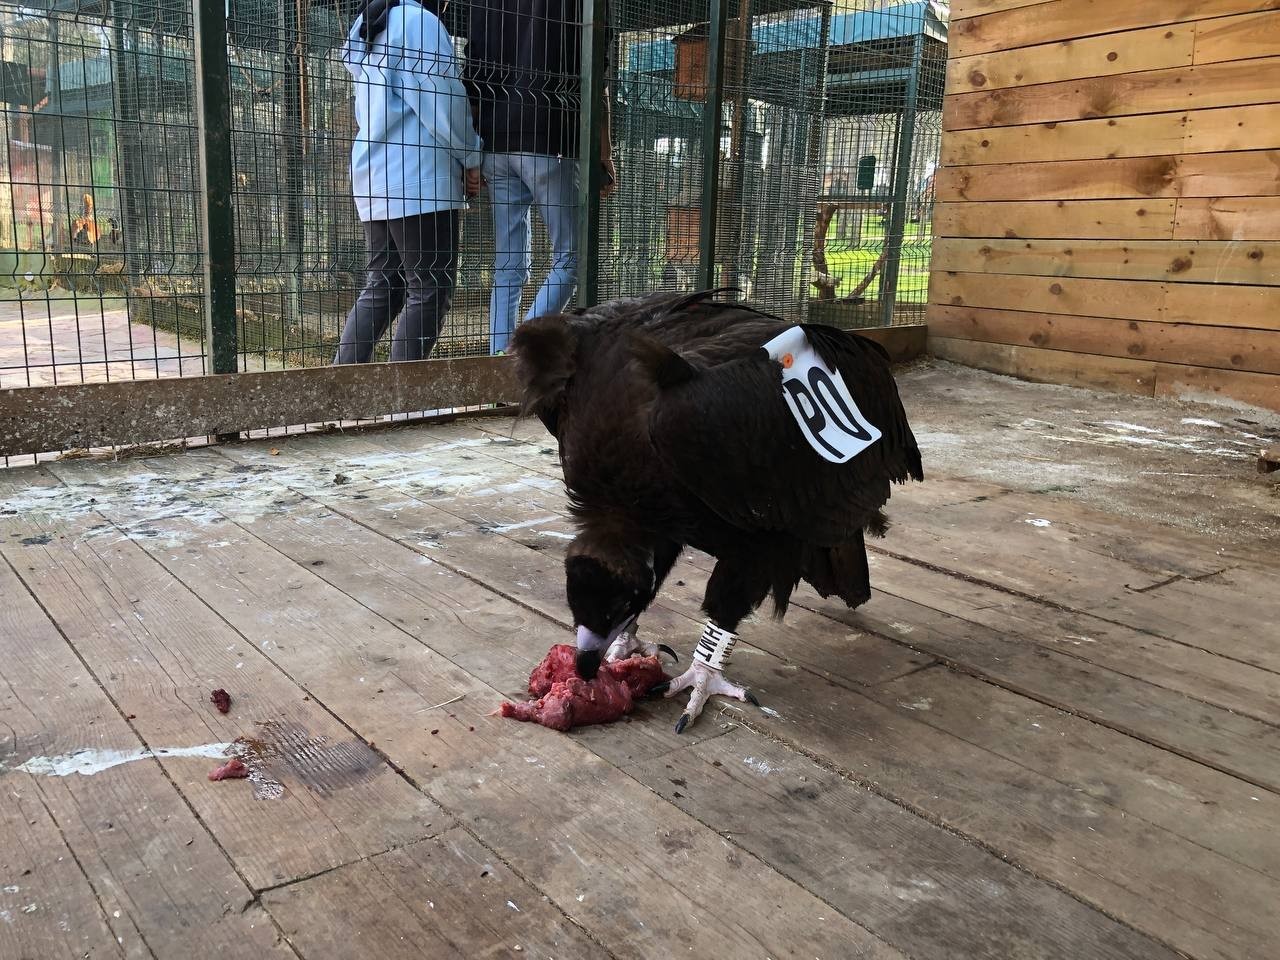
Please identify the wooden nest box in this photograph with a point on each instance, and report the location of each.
(691, 64)
(684, 231)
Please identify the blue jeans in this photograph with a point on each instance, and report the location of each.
(516, 182)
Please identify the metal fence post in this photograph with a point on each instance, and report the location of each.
(291, 16)
(124, 92)
(217, 223)
(592, 65)
(711, 119)
(815, 152)
(901, 186)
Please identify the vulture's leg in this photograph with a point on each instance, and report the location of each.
(735, 589)
(629, 643)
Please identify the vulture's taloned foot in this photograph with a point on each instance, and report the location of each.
(705, 682)
(629, 644)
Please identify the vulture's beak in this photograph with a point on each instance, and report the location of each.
(591, 648)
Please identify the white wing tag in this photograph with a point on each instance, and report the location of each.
(819, 399)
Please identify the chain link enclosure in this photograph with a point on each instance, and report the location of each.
(102, 251)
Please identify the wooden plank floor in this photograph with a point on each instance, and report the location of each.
(1049, 739)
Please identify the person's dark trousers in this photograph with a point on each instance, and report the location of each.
(413, 267)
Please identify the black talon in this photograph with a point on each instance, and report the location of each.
(669, 652)
(658, 689)
(682, 723)
(751, 698)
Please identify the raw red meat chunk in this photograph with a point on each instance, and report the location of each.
(222, 700)
(567, 701)
(231, 770)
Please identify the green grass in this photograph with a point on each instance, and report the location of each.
(851, 261)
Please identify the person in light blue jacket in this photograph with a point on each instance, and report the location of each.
(415, 161)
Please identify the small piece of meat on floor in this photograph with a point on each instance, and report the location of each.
(222, 700)
(231, 770)
(567, 701)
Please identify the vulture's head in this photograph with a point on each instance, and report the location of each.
(608, 587)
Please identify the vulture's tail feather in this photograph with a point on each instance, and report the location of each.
(840, 571)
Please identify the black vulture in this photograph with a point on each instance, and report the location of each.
(687, 420)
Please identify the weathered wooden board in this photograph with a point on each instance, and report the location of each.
(1121, 701)
(320, 798)
(1070, 219)
(1207, 613)
(885, 865)
(1242, 218)
(1238, 38)
(1153, 48)
(974, 8)
(477, 767)
(904, 342)
(373, 511)
(1211, 673)
(1211, 175)
(1139, 377)
(341, 568)
(1254, 263)
(1206, 384)
(1226, 348)
(1256, 308)
(157, 881)
(49, 906)
(1118, 375)
(1195, 803)
(1150, 135)
(1058, 109)
(442, 898)
(1198, 885)
(38, 419)
(1231, 84)
(1028, 25)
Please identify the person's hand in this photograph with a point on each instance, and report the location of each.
(472, 181)
(609, 184)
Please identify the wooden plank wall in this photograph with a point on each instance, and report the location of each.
(1109, 198)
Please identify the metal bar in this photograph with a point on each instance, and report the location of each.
(712, 109)
(217, 224)
(128, 132)
(734, 200)
(815, 101)
(592, 65)
(290, 43)
(901, 185)
(55, 242)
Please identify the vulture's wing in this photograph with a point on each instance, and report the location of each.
(728, 435)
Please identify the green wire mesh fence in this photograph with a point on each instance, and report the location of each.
(824, 147)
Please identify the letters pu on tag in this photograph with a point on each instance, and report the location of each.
(819, 399)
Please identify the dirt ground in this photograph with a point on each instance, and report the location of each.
(1190, 465)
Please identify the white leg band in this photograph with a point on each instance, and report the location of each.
(715, 645)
